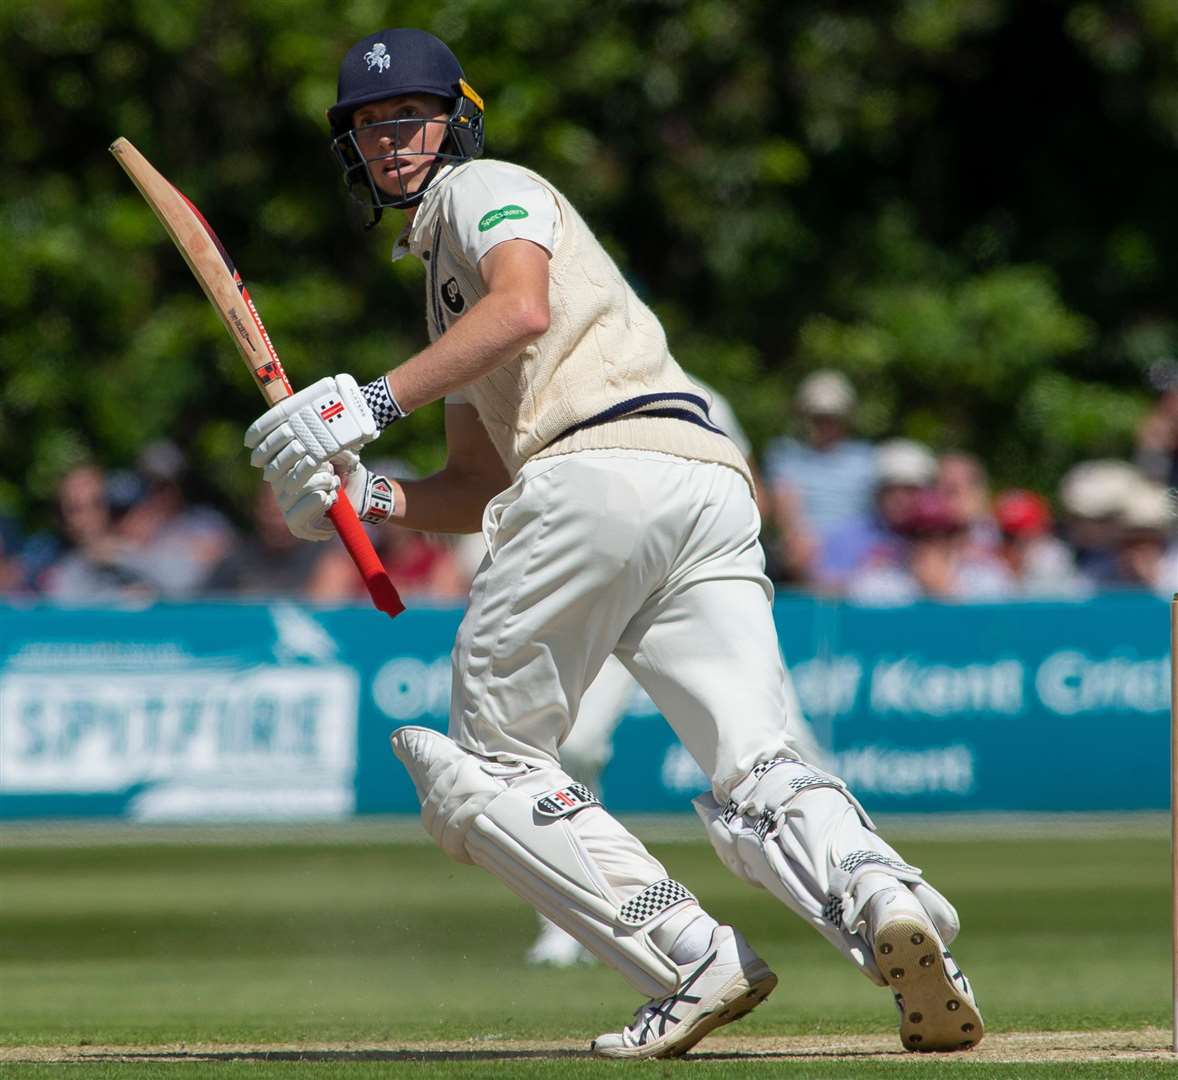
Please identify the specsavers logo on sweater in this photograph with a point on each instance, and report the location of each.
(492, 218)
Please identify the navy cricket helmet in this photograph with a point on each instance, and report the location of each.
(388, 64)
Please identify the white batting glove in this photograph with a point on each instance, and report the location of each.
(295, 437)
(304, 506)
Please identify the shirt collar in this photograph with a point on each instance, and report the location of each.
(411, 239)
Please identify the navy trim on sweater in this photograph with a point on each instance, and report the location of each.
(650, 405)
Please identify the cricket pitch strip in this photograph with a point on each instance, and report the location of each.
(1013, 1047)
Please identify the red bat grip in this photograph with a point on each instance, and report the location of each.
(351, 532)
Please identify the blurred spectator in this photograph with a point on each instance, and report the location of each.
(269, 562)
(95, 564)
(1040, 563)
(12, 567)
(1157, 435)
(1093, 494)
(179, 545)
(939, 562)
(1146, 523)
(420, 565)
(819, 482)
(962, 480)
(902, 469)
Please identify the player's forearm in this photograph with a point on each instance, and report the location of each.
(447, 502)
(496, 330)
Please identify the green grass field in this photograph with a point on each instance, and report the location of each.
(366, 957)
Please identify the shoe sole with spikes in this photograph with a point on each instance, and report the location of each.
(937, 1013)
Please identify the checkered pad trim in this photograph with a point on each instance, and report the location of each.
(564, 801)
(654, 899)
(764, 824)
(851, 862)
(798, 783)
(809, 780)
(379, 397)
(763, 767)
(832, 911)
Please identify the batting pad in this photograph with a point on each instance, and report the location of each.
(548, 839)
(797, 831)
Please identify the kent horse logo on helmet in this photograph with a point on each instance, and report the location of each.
(378, 57)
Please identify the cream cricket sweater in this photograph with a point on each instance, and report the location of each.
(601, 377)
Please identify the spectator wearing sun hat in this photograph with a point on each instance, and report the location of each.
(1092, 495)
(902, 469)
(821, 479)
(939, 560)
(1145, 559)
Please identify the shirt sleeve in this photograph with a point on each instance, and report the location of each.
(490, 202)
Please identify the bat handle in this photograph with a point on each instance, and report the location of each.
(351, 532)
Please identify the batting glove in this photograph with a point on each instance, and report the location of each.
(299, 434)
(304, 506)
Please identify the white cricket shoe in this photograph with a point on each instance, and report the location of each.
(555, 947)
(937, 1007)
(728, 981)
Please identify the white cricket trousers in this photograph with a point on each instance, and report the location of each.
(648, 556)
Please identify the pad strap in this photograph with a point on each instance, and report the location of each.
(652, 901)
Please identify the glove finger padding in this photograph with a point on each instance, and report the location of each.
(280, 452)
(345, 462)
(305, 496)
(303, 508)
(292, 483)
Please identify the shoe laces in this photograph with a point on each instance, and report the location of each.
(661, 1011)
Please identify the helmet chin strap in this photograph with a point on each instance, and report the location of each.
(406, 201)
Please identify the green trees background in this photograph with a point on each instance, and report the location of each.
(967, 205)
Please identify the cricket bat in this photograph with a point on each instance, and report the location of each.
(213, 268)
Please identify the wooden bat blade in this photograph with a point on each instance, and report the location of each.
(222, 284)
(211, 266)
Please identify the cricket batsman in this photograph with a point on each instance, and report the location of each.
(618, 520)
